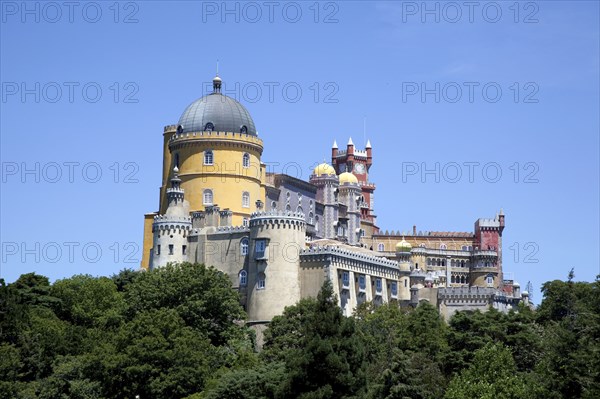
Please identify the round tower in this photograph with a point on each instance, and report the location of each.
(170, 231)
(326, 181)
(350, 193)
(403, 256)
(274, 265)
(217, 150)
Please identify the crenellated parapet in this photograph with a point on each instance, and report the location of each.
(164, 223)
(467, 294)
(231, 230)
(280, 218)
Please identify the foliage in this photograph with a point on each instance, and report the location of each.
(177, 332)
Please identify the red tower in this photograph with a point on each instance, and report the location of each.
(358, 162)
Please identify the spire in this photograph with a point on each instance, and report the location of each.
(368, 144)
(334, 144)
(350, 142)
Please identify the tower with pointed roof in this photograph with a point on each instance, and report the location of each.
(359, 162)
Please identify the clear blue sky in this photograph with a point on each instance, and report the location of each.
(368, 60)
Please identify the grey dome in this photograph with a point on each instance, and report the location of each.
(225, 114)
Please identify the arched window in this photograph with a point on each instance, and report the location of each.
(260, 282)
(273, 205)
(380, 247)
(244, 246)
(452, 279)
(246, 160)
(243, 129)
(310, 218)
(207, 197)
(288, 208)
(490, 280)
(246, 199)
(243, 276)
(299, 210)
(208, 157)
(443, 246)
(462, 263)
(209, 127)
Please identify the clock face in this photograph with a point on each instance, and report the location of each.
(359, 168)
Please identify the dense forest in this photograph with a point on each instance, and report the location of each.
(178, 332)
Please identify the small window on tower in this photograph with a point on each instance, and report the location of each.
(244, 247)
(158, 249)
(184, 249)
(209, 127)
(207, 197)
(259, 248)
(380, 247)
(260, 282)
(243, 278)
(170, 249)
(246, 199)
(208, 157)
(246, 160)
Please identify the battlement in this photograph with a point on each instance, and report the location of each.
(277, 217)
(489, 223)
(218, 136)
(164, 222)
(165, 218)
(170, 129)
(232, 229)
(343, 253)
(481, 294)
(432, 234)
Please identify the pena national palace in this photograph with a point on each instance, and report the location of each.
(278, 238)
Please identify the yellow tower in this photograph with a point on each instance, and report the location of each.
(217, 151)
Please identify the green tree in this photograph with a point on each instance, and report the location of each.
(329, 362)
(89, 301)
(492, 375)
(203, 297)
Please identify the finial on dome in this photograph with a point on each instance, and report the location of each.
(175, 169)
(501, 212)
(217, 81)
(368, 144)
(334, 144)
(350, 142)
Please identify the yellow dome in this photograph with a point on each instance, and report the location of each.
(324, 169)
(348, 177)
(403, 246)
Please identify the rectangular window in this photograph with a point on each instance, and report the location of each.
(259, 248)
(378, 287)
(245, 222)
(183, 249)
(394, 288)
(158, 249)
(345, 279)
(362, 282)
(170, 249)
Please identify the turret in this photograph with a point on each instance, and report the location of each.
(170, 231)
(326, 181)
(273, 269)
